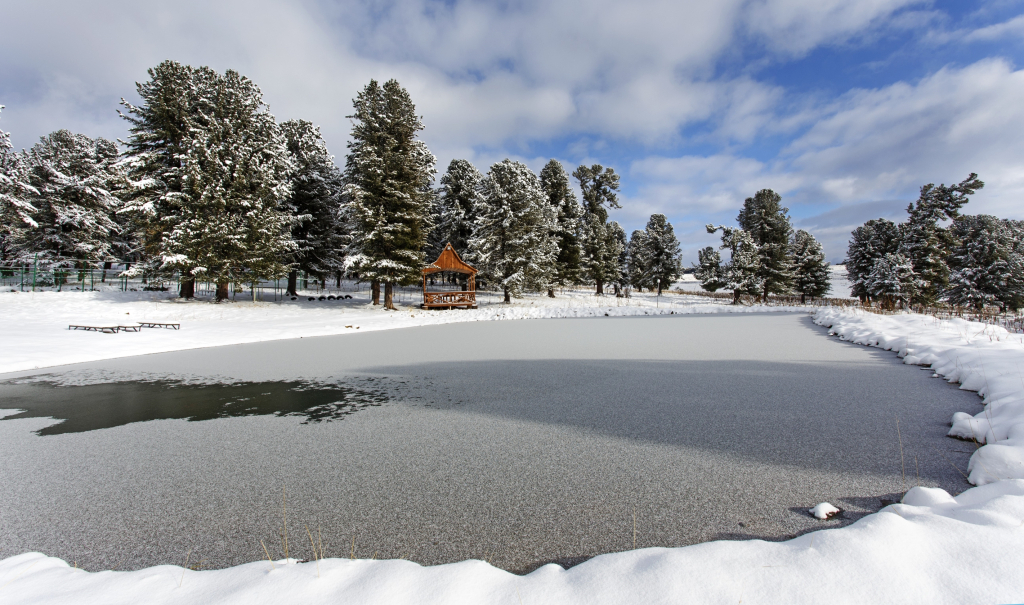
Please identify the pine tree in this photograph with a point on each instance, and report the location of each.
(16, 193)
(869, 242)
(709, 271)
(986, 269)
(925, 243)
(893, 281)
(74, 178)
(314, 206)
(811, 277)
(620, 249)
(176, 103)
(639, 261)
(512, 244)
(743, 273)
(664, 256)
(455, 210)
(388, 173)
(226, 225)
(598, 186)
(569, 264)
(767, 222)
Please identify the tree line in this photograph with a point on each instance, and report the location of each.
(208, 186)
(939, 255)
(766, 255)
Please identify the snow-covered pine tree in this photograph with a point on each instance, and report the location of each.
(74, 177)
(639, 261)
(927, 244)
(388, 173)
(811, 276)
(743, 273)
(664, 256)
(175, 100)
(767, 222)
(986, 268)
(1013, 297)
(619, 247)
(455, 208)
(314, 206)
(598, 186)
(569, 265)
(512, 245)
(16, 193)
(869, 242)
(892, 281)
(226, 225)
(709, 270)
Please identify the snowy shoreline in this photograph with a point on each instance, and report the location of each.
(932, 547)
(36, 331)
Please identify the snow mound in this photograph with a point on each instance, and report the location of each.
(824, 511)
(931, 548)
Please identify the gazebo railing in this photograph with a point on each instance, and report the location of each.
(445, 299)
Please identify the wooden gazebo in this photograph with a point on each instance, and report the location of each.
(449, 261)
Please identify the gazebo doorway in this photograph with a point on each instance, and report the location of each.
(446, 294)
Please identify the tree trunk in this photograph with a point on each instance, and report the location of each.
(803, 298)
(508, 296)
(551, 292)
(106, 267)
(222, 291)
(735, 297)
(375, 291)
(600, 287)
(339, 279)
(293, 283)
(389, 296)
(187, 289)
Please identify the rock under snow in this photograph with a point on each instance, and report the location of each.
(824, 511)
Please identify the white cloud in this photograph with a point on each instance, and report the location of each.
(1013, 28)
(482, 73)
(885, 143)
(796, 26)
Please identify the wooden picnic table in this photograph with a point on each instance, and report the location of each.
(133, 327)
(104, 329)
(159, 324)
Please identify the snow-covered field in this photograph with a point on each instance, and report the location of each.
(35, 325)
(931, 548)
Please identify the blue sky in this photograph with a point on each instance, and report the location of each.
(846, 107)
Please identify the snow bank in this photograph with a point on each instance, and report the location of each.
(982, 358)
(35, 333)
(932, 548)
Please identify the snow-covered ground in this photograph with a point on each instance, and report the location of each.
(34, 325)
(931, 548)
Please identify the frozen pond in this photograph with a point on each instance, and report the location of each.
(518, 442)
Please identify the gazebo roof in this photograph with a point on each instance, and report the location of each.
(449, 261)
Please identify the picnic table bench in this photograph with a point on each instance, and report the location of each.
(104, 329)
(134, 327)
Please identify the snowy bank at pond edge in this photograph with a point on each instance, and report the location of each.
(35, 324)
(932, 548)
(982, 358)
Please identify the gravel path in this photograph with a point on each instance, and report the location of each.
(518, 442)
